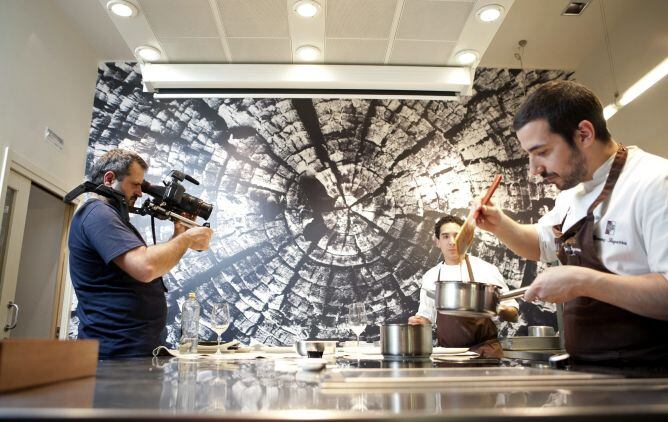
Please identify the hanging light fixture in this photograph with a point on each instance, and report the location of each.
(519, 55)
(635, 90)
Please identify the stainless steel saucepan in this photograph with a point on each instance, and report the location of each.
(472, 299)
(401, 341)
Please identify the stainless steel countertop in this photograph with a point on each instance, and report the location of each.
(267, 390)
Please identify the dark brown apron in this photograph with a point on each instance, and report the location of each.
(596, 331)
(478, 334)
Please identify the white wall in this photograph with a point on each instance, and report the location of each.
(47, 78)
(639, 42)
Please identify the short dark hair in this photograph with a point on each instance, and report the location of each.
(448, 218)
(563, 104)
(116, 160)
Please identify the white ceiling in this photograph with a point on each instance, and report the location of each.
(398, 32)
(553, 41)
(406, 32)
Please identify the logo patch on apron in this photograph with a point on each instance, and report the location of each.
(610, 227)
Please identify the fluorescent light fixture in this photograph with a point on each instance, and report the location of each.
(305, 81)
(609, 111)
(147, 53)
(122, 8)
(466, 57)
(306, 8)
(294, 93)
(490, 13)
(308, 53)
(642, 85)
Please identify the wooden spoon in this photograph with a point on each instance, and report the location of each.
(464, 238)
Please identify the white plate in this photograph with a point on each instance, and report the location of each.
(448, 350)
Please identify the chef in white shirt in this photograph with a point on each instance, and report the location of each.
(478, 334)
(608, 229)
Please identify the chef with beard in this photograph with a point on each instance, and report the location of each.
(608, 229)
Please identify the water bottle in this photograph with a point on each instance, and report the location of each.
(189, 325)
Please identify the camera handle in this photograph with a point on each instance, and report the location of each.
(156, 211)
(162, 213)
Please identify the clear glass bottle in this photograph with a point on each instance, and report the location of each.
(189, 325)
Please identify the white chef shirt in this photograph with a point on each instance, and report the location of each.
(631, 233)
(483, 272)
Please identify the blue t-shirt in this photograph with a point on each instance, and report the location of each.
(124, 314)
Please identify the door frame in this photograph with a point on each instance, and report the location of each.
(12, 161)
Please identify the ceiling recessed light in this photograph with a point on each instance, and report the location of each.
(147, 53)
(308, 53)
(466, 57)
(490, 13)
(122, 8)
(306, 8)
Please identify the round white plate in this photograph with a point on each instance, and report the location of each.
(448, 350)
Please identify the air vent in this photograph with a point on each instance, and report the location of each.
(575, 8)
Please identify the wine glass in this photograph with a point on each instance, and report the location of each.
(220, 320)
(357, 320)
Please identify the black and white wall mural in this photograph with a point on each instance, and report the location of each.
(322, 202)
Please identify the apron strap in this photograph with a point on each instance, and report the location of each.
(617, 166)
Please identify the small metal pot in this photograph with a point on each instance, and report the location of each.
(470, 299)
(315, 348)
(541, 331)
(405, 340)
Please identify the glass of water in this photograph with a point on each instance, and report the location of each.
(357, 320)
(220, 321)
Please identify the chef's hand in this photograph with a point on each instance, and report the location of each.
(418, 320)
(508, 313)
(559, 284)
(489, 216)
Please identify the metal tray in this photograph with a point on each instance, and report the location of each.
(530, 343)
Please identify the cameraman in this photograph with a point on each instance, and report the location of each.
(116, 276)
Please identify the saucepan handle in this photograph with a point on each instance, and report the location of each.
(513, 293)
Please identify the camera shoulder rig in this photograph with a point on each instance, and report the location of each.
(117, 198)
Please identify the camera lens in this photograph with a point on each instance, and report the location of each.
(196, 206)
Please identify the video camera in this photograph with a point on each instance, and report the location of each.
(171, 200)
(168, 202)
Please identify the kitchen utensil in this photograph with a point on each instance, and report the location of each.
(541, 331)
(406, 341)
(464, 238)
(530, 343)
(315, 348)
(470, 299)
